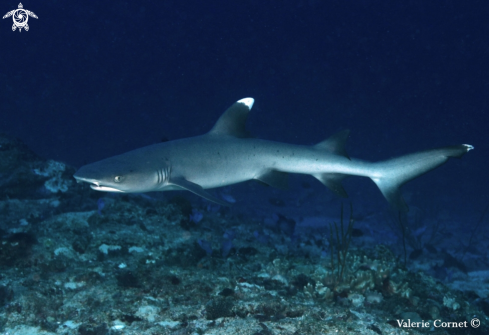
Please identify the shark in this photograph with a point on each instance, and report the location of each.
(228, 154)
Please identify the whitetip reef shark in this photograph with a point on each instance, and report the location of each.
(228, 155)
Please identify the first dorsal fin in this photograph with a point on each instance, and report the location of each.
(336, 143)
(233, 121)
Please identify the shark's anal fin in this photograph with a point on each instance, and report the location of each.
(275, 178)
(233, 121)
(197, 189)
(333, 182)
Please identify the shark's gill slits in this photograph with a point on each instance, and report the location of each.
(159, 176)
(162, 176)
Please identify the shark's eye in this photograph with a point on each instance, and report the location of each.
(118, 179)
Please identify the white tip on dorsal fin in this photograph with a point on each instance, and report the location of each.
(233, 121)
(247, 101)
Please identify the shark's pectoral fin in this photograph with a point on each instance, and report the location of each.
(197, 189)
(275, 178)
(333, 182)
(335, 144)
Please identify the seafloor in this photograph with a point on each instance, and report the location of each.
(77, 261)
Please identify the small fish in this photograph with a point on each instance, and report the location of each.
(261, 237)
(196, 216)
(206, 246)
(228, 198)
(419, 231)
(100, 205)
(227, 243)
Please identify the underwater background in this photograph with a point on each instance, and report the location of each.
(90, 80)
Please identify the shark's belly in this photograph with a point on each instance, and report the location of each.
(222, 173)
(212, 164)
(219, 165)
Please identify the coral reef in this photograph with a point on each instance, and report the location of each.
(135, 266)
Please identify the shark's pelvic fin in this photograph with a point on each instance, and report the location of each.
(233, 121)
(275, 178)
(394, 173)
(335, 144)
(197, 189)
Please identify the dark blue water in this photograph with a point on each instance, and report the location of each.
(94, 79)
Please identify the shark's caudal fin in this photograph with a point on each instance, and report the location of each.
(390, 175)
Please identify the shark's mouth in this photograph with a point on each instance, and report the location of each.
(95, 185)
(98, 187)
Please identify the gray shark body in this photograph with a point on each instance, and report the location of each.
(228, 155)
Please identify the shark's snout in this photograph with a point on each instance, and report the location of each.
(83, 179)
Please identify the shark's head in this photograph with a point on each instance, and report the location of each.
(122, 173)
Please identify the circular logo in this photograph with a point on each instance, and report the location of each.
(20, 17)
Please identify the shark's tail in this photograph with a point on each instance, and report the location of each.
(390, 175)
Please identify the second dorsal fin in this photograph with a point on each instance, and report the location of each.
(335, 144)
